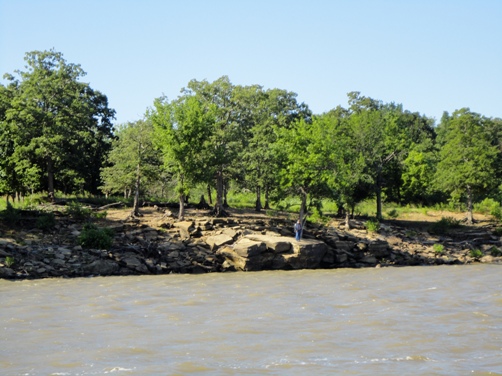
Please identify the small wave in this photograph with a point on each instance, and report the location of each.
(117, 369)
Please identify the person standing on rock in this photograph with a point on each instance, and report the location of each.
(298, 230)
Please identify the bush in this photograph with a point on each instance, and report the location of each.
(438, 248)
(100, 215)
(9, 261)
(78, 211)
(317, 217)
(495, 252)
(497, 213)
(372, 225)
(487, 206)
(476, 253)
(393, 213)
(444, 225)
(94, 237)
(46, 221)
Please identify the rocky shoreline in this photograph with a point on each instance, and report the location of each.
(201, 244)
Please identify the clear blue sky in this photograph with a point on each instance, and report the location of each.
(430, 55)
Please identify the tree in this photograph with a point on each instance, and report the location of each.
(226, 137)
(51, 118)
(467, 157)
(269, 110)
(419, 168)
(384, 134)
(183, 129)
(306, 155)
(349, 166)
(133, 161)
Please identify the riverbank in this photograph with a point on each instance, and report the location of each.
(157, 243)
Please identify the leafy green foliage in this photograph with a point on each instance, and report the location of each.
(372, 225)
(94, 237)
(78, 212)
(495, 252)
(317, 217)
(133, 153)
(467, 157)
(489, 206)
(476, 253)
(100, 215)
(46, 221)
(49, 118)
(438, 248)
(393, 213)
(9, 261)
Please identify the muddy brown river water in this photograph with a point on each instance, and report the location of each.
(444, 320)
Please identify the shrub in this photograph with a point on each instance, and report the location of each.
(497, 213)
(372, 225)
(444, 225)
(393, 213)
(438, 248)
(495, 252)
(318, 217)
(46, 221)
(9, 261)
(78, 211)
(100, 215)
(94, 237)
(476, 253)
(487, 206)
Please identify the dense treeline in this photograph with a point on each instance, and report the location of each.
(56, 135)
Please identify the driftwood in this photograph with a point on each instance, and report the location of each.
(110, 205)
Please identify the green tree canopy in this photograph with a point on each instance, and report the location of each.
(51, 118)
(467, 157)
(183, 131)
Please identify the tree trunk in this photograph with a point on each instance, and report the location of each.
(379, 196)
(470, 217)
(135, 206)
(267, 205)
(202, 203)
(219, 210)
(258, 199)
(303, 211)
(181, 214)
(225, 191)
(347, 220)
(50, 179)
(209, 195)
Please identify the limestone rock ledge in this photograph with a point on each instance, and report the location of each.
(265, 252)
(205, 245)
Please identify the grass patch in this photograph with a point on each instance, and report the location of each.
(241, 200)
